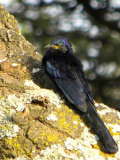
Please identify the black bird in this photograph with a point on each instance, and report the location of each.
(66, 71)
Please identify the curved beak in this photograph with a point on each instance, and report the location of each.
(52, 46)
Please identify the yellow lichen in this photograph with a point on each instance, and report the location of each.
(12, 16)
(12, 143)
(106, 155)
(52, 137)
(19, 148)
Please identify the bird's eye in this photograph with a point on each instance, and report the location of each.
(64, 48)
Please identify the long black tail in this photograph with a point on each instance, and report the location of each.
(101, 130)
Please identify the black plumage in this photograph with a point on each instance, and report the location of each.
(66, 71)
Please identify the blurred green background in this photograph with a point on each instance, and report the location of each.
(92, 26)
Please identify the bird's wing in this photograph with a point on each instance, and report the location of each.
(67, 79)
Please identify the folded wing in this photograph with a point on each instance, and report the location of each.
(67, 80)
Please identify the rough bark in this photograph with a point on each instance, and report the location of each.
(35, 122)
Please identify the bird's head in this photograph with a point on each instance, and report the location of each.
(60, 44)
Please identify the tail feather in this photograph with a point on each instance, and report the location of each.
(101, 130)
